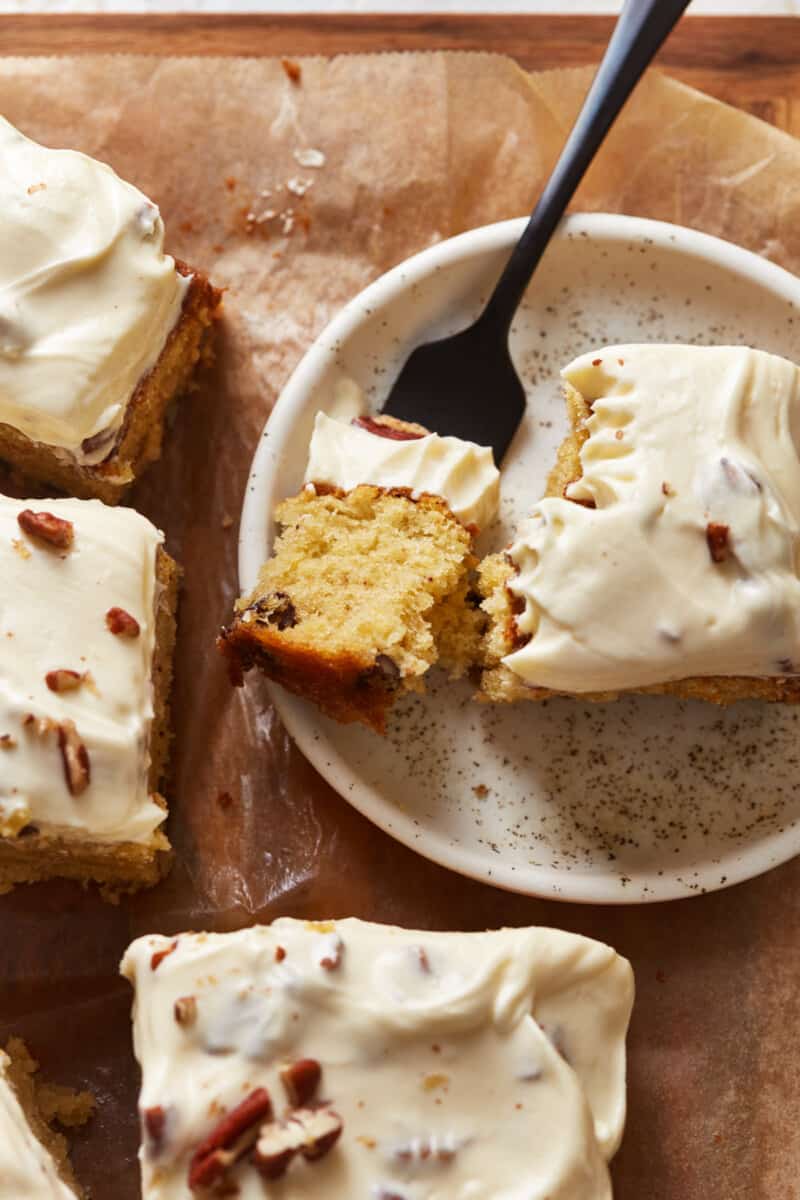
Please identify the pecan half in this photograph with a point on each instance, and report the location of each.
(63, 680)
(230, 1138)
(717, 539)
(75, 756)
(312, 1132)
(185, 1010)
(301, 1080)
(386, 428)
(46, 528)
(158, 956)
(121, 623)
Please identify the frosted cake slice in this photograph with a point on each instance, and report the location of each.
(665, 556)
(33, 1158)
(87, 628)
(369, 581)
(346, 1059)
(99, 329)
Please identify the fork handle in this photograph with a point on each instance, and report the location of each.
(640, 30)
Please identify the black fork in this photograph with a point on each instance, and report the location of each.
(466, 385)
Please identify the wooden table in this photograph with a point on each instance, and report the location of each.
(753, 62)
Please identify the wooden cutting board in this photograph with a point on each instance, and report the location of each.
(752, 62)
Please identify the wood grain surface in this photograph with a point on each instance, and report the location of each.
(753, 62)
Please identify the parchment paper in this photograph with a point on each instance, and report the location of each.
(415, 148)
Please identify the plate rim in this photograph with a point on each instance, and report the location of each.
(256, 527)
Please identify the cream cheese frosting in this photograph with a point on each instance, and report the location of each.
(462, 1066)
(462, 473)
(87, 296)
(26, 1168)
(53, 618)
(687, 563)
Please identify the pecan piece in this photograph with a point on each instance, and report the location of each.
(121, 623)
(230, 1138)
(386, 427)
(185, 1010)
(63, 680)
(292, 70)
(154, 1122)
(301, 1080)
(7, 742)
(322, 1128)
(75, 757)
(46, 528)
(158, 956)
(717, 539)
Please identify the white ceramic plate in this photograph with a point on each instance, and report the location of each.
(646, 799)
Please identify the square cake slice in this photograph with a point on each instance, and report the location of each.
(665, 557)
(87, 629)
(369, 581)
(99, 329)
(346, 1059)
(33, 1158)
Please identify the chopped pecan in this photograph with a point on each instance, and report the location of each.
(292, 70)
(63, 680)
(7, 742)
(717, 539)
(280, 954)
(154, 1122)
(386, 427)
(185, 1010)
(158, 956)
(322, 1128)
(424, 961)
(39, 725)
(121, 623)
(75, 757)
(46, 528)
(301, 1080)
(230, 1138)
(276, 609)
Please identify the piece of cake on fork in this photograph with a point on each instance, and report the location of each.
(87, 628)
(370, 578)
(34, 1162)
(666, 554)
(99, 329)
(344, 1059)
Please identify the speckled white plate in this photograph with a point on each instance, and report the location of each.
(646, 799)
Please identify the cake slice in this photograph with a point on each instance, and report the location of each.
(87, 628)
(346, 1059)
(34, 1163)
(664, 557)
(99, 329)
(369, 581)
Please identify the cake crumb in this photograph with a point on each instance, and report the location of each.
(20, 547)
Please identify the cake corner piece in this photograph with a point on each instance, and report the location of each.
(133, 320)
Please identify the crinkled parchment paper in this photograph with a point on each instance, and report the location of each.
(411, 149)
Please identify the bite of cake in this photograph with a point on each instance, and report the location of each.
(343, 1059)
(34, 1162)
(370, 578)
(87, 629)
(665, 555)
(99, 329)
